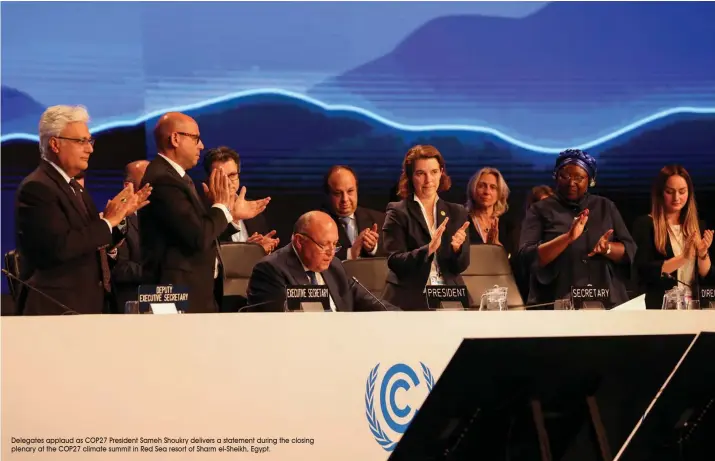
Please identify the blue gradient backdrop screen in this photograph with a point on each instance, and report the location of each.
(296, 87)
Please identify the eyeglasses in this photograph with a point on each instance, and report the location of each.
(195, 137)
(233, 177)
(327, 250)
(569, 178)
(82, 141)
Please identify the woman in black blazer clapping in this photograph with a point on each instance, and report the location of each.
(670, 244)
(426, 238)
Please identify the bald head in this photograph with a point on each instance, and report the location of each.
(313, 221)
(168, 124)
(177, 137)
(315, 238)
(134, 172)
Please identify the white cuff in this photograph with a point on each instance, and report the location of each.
(223, 208)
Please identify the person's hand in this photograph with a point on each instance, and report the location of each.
(459, 237)
(247, 209)
(370, 238)
(219, 189)
(603, 244)
(493, 235)
(690, 247)
(704, 244)
(268, 242)
(120, 206)
(436, 241)
(577, 226)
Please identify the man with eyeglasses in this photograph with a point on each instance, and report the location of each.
(62, 238)
(178, 232)
(253, 230)
(309, 260)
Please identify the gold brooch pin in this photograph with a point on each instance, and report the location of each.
(442, 213)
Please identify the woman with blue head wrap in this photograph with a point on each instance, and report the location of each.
(575, 238)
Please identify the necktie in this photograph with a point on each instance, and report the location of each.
(106, 273)
(77, 189)
(312, 277)
(349, 224)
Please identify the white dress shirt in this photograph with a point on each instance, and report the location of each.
(435, 275)
(319, 277)
(241, 234)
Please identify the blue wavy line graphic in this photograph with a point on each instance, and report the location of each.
(378, 118)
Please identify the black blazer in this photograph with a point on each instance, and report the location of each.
(127, 269)
(178, 236)
(282, 267)
(58, 243)
(364, 218)
(406, 238)
(649, 261)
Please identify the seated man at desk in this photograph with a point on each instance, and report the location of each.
(309, 260)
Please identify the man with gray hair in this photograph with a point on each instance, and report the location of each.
(61, 235)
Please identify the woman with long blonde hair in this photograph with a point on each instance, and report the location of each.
(487, 202)
(671, 248)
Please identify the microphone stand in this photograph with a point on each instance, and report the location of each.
(355, 280)
(66, 309)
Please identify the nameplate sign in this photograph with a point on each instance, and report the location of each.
(447, 297)
(591, 297)
(707, 297)
(163, 299)
(308, 298)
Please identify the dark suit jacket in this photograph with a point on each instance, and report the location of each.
(649, 262)
(406, 238)
(178, 236)
(127, 270)
(282, 267)
(364, 217)
(58, 244)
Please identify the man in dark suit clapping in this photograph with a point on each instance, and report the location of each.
(61, 235)
(178, 232)
(358, 227)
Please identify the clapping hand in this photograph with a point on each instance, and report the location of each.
(459, 237)
(602, 245)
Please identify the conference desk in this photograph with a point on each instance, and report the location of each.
(281, 386)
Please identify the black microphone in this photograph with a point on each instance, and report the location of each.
(370, 292)
(270, 301)
(66, 309)
(668, 276)
(532, 306)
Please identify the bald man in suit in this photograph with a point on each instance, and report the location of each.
(178, 232)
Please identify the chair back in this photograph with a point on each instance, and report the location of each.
(371, 272)
(238, 259)
(488, 266)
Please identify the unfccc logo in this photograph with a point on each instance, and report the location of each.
(395, 412)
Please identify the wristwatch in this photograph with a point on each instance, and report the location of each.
(608, 251)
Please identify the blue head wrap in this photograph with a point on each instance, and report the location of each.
(580, 158)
